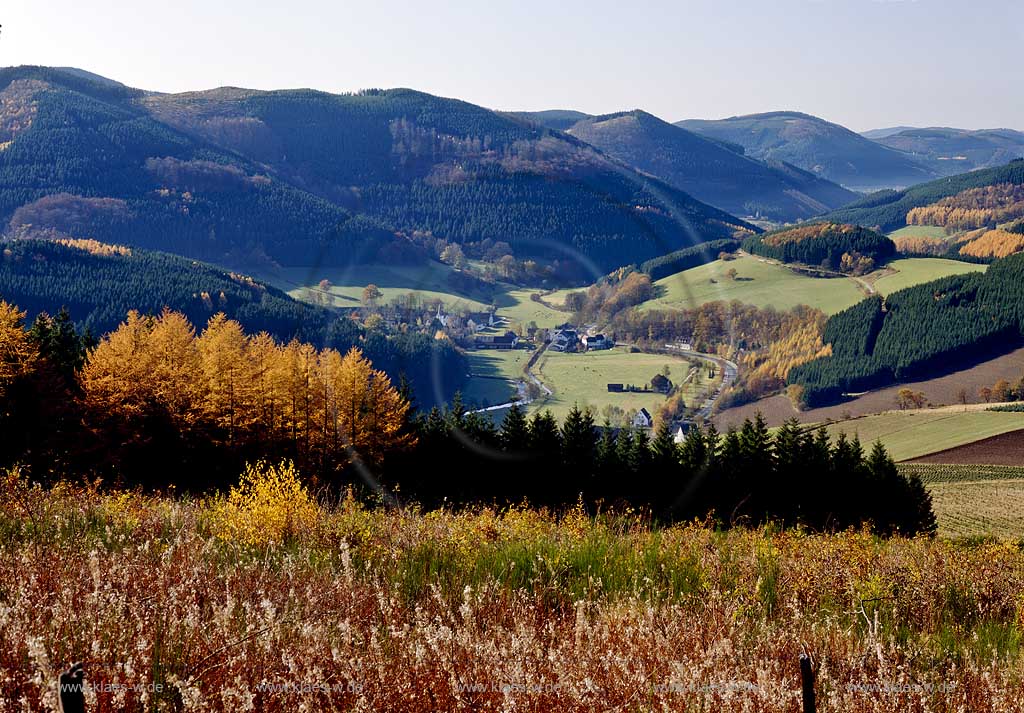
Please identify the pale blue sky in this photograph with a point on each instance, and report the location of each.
(862, 63)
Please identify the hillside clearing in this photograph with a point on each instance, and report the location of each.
(758, 282)
(914, 271)
(430, 281)
(920, 231)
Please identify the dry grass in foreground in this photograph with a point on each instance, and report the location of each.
(343, 608)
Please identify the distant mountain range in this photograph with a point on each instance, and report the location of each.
(828, 150)
(710, 170)
(304, 177)
(949, 151)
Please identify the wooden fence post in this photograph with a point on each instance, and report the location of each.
(807, 679)
(72, 697)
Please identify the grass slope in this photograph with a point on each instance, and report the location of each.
(914, 271)
(909, 434)
(429, 280)
(758, 283)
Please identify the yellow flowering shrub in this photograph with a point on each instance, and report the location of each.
(268, 506)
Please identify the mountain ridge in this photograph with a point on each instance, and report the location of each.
(709, 169)
(825, 148)
(221, 174)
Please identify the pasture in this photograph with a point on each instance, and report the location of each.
(919, 231)
(914, 271)
(430, 280)
(583, 378)
(757, 282)
(493, 374)
(911, 434)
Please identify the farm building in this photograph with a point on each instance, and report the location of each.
(564, 340)
(508, 340)
(597, 341)
(661, 384)
(643, 419)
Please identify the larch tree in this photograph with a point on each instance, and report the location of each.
(16, 350)
(229, 373)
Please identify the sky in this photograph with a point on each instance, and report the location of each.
(861, 63)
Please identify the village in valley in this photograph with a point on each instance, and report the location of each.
(558, 365)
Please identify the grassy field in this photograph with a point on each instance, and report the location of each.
(975, 501)
(758, 283)
(909, 434)
(923, 231)
(494, 373)
(349, 608)
(516, 306)
(429, 280)
(914, 271)
(583, 379)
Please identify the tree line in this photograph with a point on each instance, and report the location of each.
(747, 475)
(155, 403)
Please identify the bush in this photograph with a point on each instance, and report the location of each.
(269, 506)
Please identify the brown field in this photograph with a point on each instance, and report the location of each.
(1006, 449)
(990, 508)
(939, 391)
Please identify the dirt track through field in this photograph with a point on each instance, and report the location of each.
(1005, 449)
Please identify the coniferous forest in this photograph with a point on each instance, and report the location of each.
(302, 177)
(918, 330)
(99, 284)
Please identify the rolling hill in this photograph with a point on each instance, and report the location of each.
(950, 151)
(826, 149)
(888, 210)
(304, 177)
(709, 170)
(918, 332)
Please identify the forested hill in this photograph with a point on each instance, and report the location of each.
(99, 284)
(826, 149)
(949, 151)
(307, 177)
(556, 119)
(82, 158)
(425, 164)
(887, 210)
(709, 170)
(918, 332)
(833, 246)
